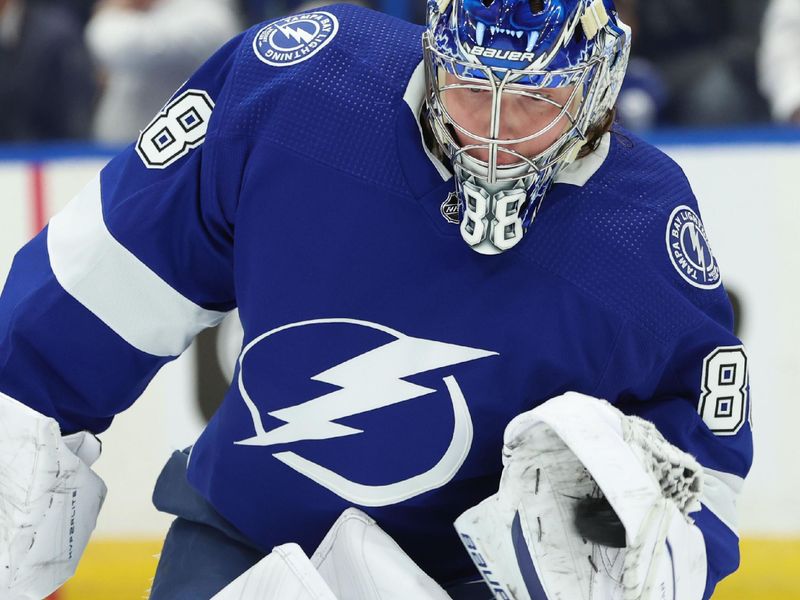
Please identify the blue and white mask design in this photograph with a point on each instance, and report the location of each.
(514, 86)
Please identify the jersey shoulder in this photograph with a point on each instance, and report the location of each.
(327, 85)
(633, 237)
(645, 174)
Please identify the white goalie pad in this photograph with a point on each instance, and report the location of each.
(49, 501)
(359, 561)
(525, 540)
(356, 560)
(285, 573)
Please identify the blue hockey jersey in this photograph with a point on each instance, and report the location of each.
(382, 357)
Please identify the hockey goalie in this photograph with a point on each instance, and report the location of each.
(467, 297)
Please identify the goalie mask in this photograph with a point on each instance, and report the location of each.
(513, 88)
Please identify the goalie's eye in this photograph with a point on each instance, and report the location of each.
(487, 3)
(537, 6)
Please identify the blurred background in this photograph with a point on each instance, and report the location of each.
(715, 84)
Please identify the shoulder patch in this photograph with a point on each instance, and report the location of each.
(296, 38)
(689, 249)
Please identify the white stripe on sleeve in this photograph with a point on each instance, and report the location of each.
(720, 491)
(107, 279)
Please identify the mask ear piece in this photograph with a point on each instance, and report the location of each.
(442, 5)
(595, 18)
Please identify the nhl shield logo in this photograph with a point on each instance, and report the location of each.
(296, 38)
(690, 251)
(450, 209)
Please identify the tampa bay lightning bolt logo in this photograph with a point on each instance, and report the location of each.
(293, 39)
(690, 251)
(370, 382)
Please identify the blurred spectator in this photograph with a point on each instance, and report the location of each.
(705, 52)
(779, 59)
(82, 9)
(643, 97)
(147, 49)
(256, 11)
(304, 5)
(46, 85)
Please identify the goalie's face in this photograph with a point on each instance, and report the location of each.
(523, 121)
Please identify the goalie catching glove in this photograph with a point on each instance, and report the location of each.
(50, 501)
(592, 505)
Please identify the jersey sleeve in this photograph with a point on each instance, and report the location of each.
(676, 360)
(136, 265)
(697, 393)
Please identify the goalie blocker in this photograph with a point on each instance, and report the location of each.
(51, 499)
